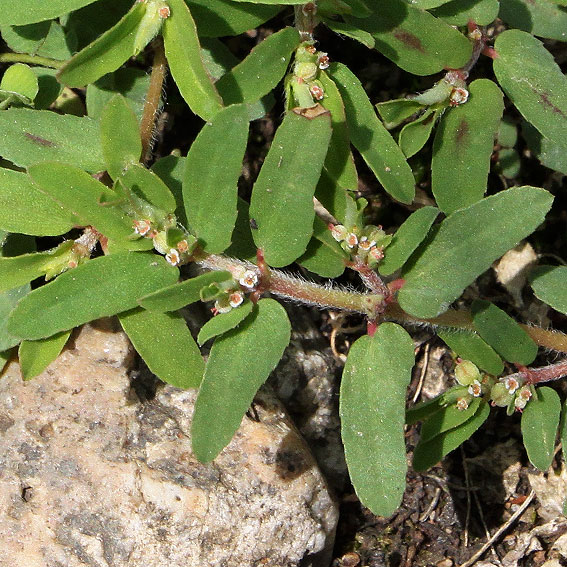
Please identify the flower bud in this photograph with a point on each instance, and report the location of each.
(500, 396)
(466, 373)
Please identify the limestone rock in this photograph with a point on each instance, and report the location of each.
(89, 475)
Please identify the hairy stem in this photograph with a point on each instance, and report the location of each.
(151, 105)
(306, 20)
(540, 375)
(31, 59)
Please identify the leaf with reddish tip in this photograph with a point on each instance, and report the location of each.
(534, 82)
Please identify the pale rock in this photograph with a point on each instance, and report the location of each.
(512, 269)
(89, 475)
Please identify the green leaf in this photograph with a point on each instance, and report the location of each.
(31, 11)
(78, 193)
(562, 428)
(183, 54)
(540, 421)
(407, 238)
(352, 31)
(466, 244)
(36, 356)
(4, 357)
(414, 39)
(239, 363)
(428, 4)
(120, 136)
(8, 301)
(210, 184)
(224, 322)
(131, 83)
(534, 82)
(424, 410)
(106, 53)
(463, 147)
(339, 163)
(282, 197)
(414, 135)
(447, 418)
(242, 246)
(166, 345)
(461, 12)
(394, 112)
(217, 18)
(372, 409)
(469, 346)
(539, 17)
(261, 70)
(149, 186)
(31, 136)
(171, 170)
(26, 210)
(551, 154)
(25, 39)
(371, 139)
(49, 88)
(550, 285)
(19, 84)
(502, 333)
(101, 287)
(431, 452)
(181, 294)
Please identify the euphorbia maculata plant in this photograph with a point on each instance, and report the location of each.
(77, 122)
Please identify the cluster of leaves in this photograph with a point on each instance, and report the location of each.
(68, 168)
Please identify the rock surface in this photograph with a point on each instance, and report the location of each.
(89, 475)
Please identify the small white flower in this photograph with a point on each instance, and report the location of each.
(164, 12)
(222, 306)
(317, 92)
(511, 384)
(339, 232)
(475, 389)
(249, 279)
(377, 253)
(351, 240)
(142, 227)
(172, 257)
(182, 246)
(323, 61)
(462, 404)
(458, 96)
(366, 244)
(235, 299)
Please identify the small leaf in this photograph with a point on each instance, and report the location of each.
(210, 183)
(166, 345)
(469, 346)
(26, 210)
(183, 54)
(149, 186)
(407, 238)
(8, 301)
(99, 288)
(534, 82)
(424, 410)
(181, 294)
(31, 11)
(414, 135)
(540, 421)
(49, 88)
(394, 112)
(466, 244)
(121, 144)
(414, 39)
(77, 192)
(550, 285)
(332, 196)
(447, 418)
(224, 322)
(19, 84)
(36, 356)
(282, 197)
(218, 18)
(463, 147)
(371, 139)
(430, 453)
(31, 136)
(106, 53)
(261, 70)
(239, 363)
(539, 17)
(171, 170)
(461, 12)
(372, 408)
(551, 154)
(352, 31)
(242, 246)
(502, 333)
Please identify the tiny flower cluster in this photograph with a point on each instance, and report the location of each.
(304, 84)
(367, 244)
(232, 293)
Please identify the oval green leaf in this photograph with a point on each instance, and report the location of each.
(371, 139)
(534, 82)
(550, 285)
(31, 136)
(239, 363)
(183, 53)
(466, 244)
(282, 197)
(540, 421)
(372, 408)
(101, 287)
(181, 294)
(31, 11)
(149, 186)
(447, 418)
(407, 238)
(120, 136)
(165, 343)
(463, 147)
(539, 17)
(36, 356)
(352, 31)
(210, 183)
(461, 12)
(224, 322)
(502, 333)
(414, 135)
(106, 53)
